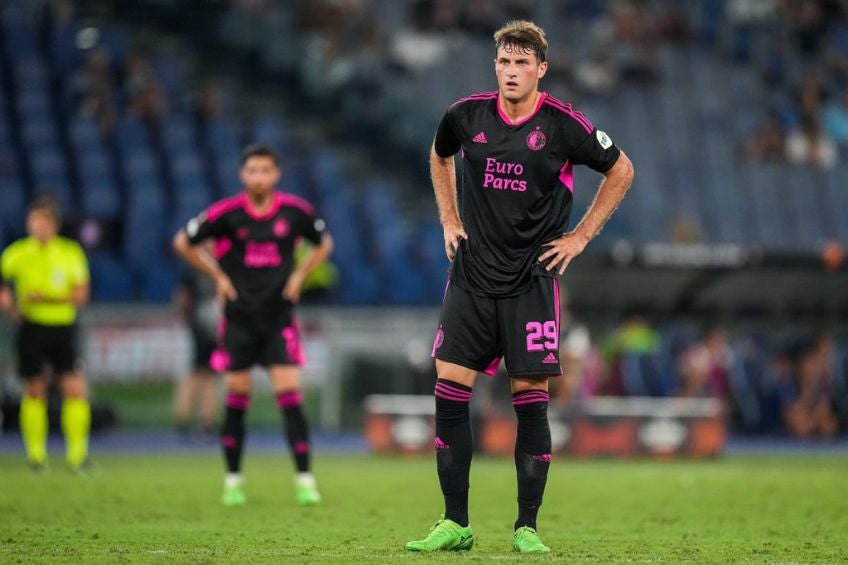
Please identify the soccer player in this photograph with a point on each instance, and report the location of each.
(518, 147)
(50, 277)
(253, 268)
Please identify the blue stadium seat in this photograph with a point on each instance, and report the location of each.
(158, 282)
(100, 199)
(110, 280)
(13, 208)
(84, 133)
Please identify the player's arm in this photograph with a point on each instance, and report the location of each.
(310, 262)
(7, 276)
(443, 173)
(616, 182)
(200, 259)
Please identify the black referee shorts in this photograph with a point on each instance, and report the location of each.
(477, 331)
(40, 346)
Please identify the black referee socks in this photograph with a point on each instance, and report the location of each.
(453, 447)
(532, 453)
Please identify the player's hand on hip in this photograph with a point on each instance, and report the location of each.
(561, 251)
(293, 288)
(224, 289)
(454, 233)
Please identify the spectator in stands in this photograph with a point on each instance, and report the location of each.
(810, 413)
(582, 367)
(196, 300)
(704, 367)
(422, 45)
(633, 336)
(836, 120)
(768, 143)
(93, 89)
(143, 88)
(808, 145)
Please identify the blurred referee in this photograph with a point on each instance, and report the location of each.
(44, 280)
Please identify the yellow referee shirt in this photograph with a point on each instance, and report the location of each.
(52, 270)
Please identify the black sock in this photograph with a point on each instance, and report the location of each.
(296, 429)
(453, 447)
(532, 453)
(232, 432)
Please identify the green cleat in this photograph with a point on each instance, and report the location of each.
(526, 540)
(233, 496)
(306, 495)
(445, 535)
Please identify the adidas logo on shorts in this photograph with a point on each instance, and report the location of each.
(550, 359)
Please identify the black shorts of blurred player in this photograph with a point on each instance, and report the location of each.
(274, 345)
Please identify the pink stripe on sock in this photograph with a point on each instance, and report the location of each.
(449, 396)
(289, 399)
(228, 441)
(449, 388)
(545, 458)
(530, 397)
(238, 401)
(301, 447)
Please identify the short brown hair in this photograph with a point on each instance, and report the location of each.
(259, 150)
(48, 205)
(526, 35)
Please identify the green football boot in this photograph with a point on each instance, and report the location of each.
(445, 535)
(526, 540)
(306, 494)
(233, 495)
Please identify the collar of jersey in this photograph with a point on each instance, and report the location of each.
(505, 118)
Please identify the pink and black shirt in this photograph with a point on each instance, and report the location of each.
(517, 185)
(257, 251)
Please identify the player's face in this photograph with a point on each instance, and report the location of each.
(41, 225)
(518, 71)
(259, 175)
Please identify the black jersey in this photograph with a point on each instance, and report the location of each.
(517, 185)
(257, 251)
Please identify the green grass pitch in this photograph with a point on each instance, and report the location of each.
(165, 509)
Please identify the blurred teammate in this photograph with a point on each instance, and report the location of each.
(518, 149)
(196, 300)
(50, 277)
(253, 269)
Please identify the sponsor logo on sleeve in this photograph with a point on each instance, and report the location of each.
(603, 139)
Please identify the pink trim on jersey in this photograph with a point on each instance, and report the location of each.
(477, 96)
(221, 207)
(566, 176)
(222, 247)
(574, 114)
(296, 202)
(492, 369)
(238, 201)
(542, 97)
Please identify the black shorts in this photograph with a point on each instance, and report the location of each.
(243, 344)
(476, 331)
(54, 346)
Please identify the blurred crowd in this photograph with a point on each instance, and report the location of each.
(768, 384)
(800, 50)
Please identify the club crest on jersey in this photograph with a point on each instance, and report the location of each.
(281, 228)
(536, 140)
(241, 233)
